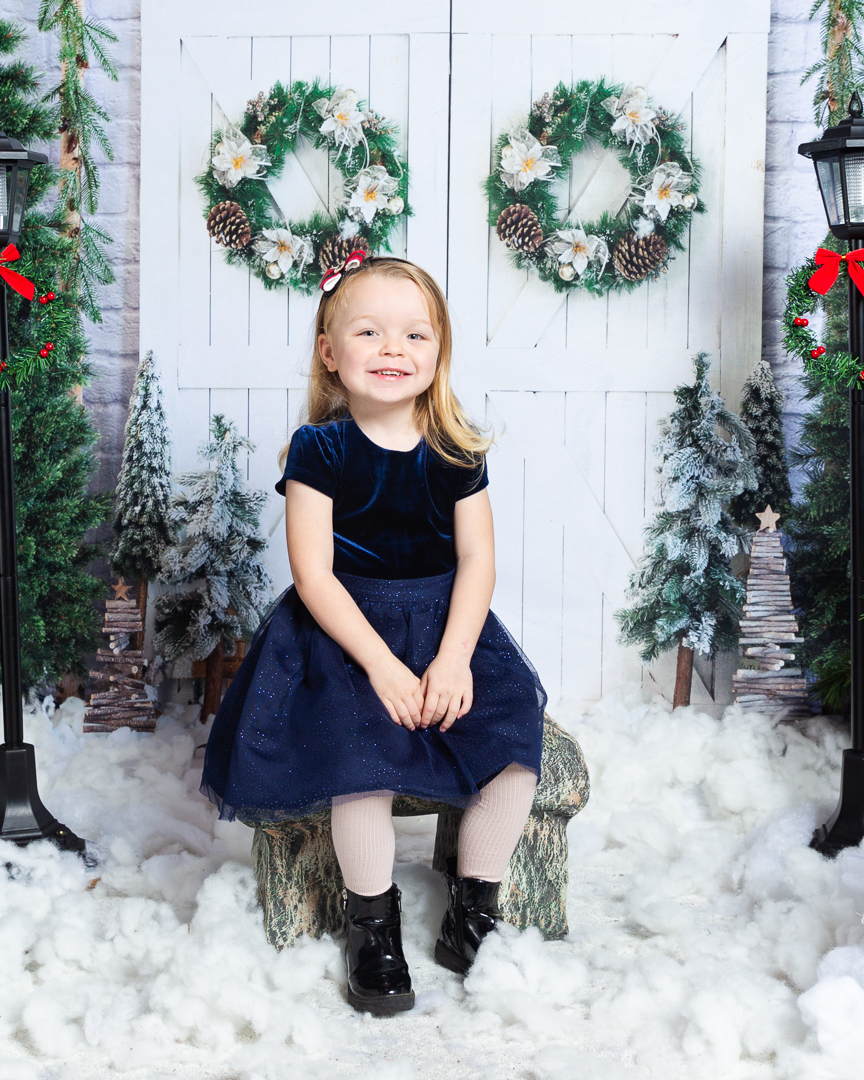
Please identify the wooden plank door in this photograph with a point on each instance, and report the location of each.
(574, 387)
(224, 343)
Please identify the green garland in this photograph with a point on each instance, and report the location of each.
(828, 368)
(242, 215)
(51, 342)
(617, 252)
(82, 44)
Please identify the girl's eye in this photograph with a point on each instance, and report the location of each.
(418, 337)
(364, 332)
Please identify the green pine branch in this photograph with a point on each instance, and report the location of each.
(840, 71)
(82, 44)
(818, 521)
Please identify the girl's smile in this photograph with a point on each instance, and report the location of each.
(383, 344)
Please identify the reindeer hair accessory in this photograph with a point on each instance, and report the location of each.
(335, 274)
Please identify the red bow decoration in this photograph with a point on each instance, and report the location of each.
(829, 267)
(334, 275)
(12, 278)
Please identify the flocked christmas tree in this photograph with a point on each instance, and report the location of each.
(761, 412)
(52, 433)
(683, 593)
(142, 524)
(219, 553)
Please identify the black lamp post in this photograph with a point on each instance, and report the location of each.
(23, 817)
(839, 160)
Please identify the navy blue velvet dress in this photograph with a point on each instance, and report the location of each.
(300, 723)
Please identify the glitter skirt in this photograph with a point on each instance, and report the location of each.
(300, 723)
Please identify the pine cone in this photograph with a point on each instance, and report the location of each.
(519, 228)
(228, 225)
(636, 258)
(334, 251)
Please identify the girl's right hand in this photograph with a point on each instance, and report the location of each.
(399, 689)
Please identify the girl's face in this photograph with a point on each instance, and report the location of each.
(382, 343)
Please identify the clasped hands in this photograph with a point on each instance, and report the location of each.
(441, 696)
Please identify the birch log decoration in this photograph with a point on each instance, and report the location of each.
(767, 626)
(120, 699)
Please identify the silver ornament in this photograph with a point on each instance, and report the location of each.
(566, 272)
(273, 271)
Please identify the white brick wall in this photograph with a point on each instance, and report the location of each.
(794, 220)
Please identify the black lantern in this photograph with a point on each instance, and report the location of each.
(15, 166)
(23, 817)
(839, 161)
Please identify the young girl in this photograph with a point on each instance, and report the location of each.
(382, 669)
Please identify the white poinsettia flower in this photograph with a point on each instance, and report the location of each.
(576, 247)
(343, 121)
(524, 160)
(634, 120)
(669, 182)
(282, 247)
(372, 193)
(236, 158)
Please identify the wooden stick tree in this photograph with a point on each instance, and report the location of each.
(120, 699)
(768, 628)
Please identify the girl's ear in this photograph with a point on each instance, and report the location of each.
(326, 352)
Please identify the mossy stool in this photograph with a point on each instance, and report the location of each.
(300, 885)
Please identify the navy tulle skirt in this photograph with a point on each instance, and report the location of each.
(300, 722)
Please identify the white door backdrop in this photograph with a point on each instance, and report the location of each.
(573, 387)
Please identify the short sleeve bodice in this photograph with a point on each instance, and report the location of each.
(392, 509)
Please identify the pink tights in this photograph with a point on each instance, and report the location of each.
(365, 842)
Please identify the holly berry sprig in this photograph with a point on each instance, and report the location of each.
(830, 369)
(51, 322)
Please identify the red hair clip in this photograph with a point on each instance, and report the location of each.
(334, 275)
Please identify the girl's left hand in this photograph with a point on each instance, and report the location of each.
(448, 691)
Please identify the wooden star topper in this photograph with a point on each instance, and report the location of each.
(121, 591)
(768, 519)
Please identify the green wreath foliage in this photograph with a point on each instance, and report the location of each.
(361, 145)
(620, 251)
(829, 367)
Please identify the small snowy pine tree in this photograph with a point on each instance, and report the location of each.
(219, 552)
(682, 592)
(142, 524)
(761, 406)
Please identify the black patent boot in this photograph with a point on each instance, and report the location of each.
(472, 911)
(378, 979)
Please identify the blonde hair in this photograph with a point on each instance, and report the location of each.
(442, 421)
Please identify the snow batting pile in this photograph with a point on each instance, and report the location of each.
(707, 940)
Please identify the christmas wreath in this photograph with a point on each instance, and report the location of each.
(828, 368)
(242, 215)
(618, 251)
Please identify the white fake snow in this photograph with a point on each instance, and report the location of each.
(707, 939)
